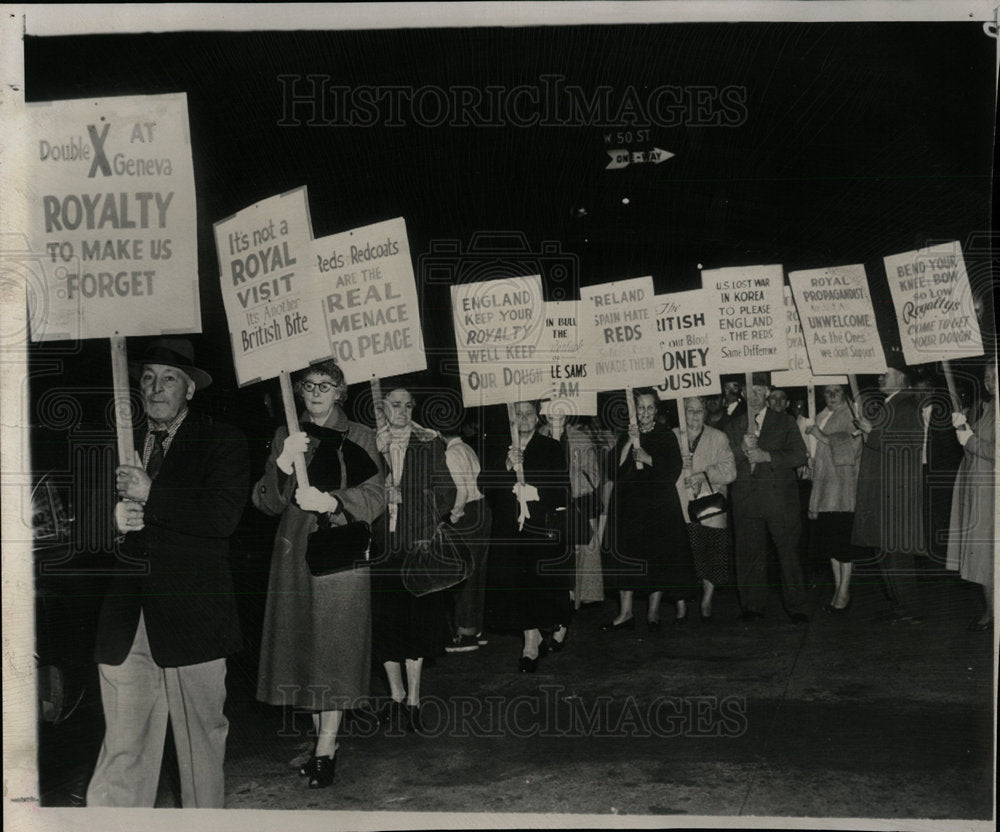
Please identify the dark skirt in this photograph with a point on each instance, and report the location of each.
(404, 626)
(833, 537)
(710, 550)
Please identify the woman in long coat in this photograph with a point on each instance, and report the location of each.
(972, 543)
(649, 542)
(420, 491)
(531, 567)
(834, 490)
(316, 643)
(709, 466)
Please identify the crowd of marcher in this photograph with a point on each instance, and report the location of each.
(565, 514)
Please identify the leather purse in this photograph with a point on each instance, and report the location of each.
(438, 563)
(709, 505)
(331, 549)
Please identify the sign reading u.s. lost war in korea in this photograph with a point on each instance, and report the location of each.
(799, 372)
(935, 309)
(619, 335)
(369, 301)
(109, 190)
(269, 288)
(498, 332)
(838, 320)
(685, 346)
(747, 308)
(570, 390)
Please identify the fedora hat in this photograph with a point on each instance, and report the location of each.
(173, 352)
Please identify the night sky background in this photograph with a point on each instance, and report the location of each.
(859, 140)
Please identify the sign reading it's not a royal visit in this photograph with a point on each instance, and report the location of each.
(108, 190)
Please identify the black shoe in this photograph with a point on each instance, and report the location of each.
(750, 615)
(527, 665)
(308, 768)
(705, 618)
(654, 626)
(627, 624)
(323, 773)
(413, 722)
(799, 618)
(830, 608)
(557, 646)
(681, 619)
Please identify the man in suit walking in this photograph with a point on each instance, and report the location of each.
(768, 449)
(167, 626)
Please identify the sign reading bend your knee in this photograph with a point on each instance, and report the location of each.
(370, 301)
(935, 308)
(112, 233)
(269, 288)
(498, 332)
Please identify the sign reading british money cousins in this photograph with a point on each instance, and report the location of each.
(109, 190)
(270, 288)
(369, 301)
(935, 309)
(685, 346)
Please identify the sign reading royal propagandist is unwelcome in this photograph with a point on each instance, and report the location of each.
(369, 301)
(269, 288)
(109, 189)
(498, 332)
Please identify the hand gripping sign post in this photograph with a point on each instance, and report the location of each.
(935, 309)
(620, 339)
(686, 349)
(570, 390)
(269, 289)
(498, 328)
(111, 216)
(799, 372)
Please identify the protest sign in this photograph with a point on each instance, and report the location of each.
(685, 348)
(269, 288)
(838, 322)
(111, 217)
(570, 392)
(799, 372)
(935, 309)
(369, 301)
(745, 305)
(498, 330)
(619, 337)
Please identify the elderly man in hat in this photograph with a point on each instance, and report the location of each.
(169, 619)
(768, 448)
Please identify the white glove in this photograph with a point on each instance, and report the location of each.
(957, 420)
(295, 443)
(312, 499)
(525, 492)
(128, 516)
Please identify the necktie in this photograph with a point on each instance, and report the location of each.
(156, 455)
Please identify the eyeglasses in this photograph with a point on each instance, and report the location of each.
(322, 386)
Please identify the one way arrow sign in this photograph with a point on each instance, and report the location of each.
(623, 158)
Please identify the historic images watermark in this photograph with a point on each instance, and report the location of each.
(550, 713)
(315, 101)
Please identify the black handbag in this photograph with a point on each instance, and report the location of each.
(438, 563)
(710, 505)
(332, 549)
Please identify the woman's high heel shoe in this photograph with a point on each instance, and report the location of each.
(627, 624)
(323, 773)
(308, 767)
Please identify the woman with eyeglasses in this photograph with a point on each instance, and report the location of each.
(316, 642)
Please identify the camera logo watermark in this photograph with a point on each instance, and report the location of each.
(314, 101)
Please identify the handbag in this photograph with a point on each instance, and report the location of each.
(710, 505)
(438, 563)
(331, 549)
